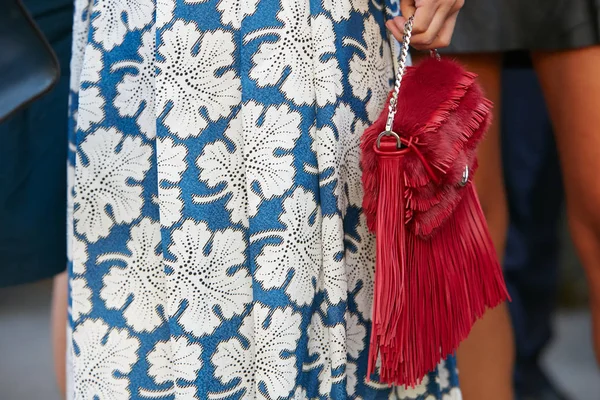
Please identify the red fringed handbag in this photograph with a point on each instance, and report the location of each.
(436, 268)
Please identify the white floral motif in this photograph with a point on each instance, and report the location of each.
(109, 25)
(254, 158)
(326, 71)
(326, 147)
(219, 165)
(141, 277)
(70, 205)
(360, 263)
(443, 377)
(77, 251)
(189, 78)
(302, 49)
(339, 156)
(274, 173)
(171, 166)
(380, 386)
(170, 362)
(299, 394)
(104, 360)
(138, 88)
(233, 11)
(328, 343)
(91, 102)
(350, 130)
(299, 249)
(371, 72)
(332, 278)
(164, 12)
(81, 298)
(105, 181)
(342, 9)
(91, 107)
(234, 360)
(267, 359)
(92, 65)
(81, 16)
(80, 255)
(352, 378)
(414, 392)
(356, 334)
(202, 276)
(454, 394)
(80, 293)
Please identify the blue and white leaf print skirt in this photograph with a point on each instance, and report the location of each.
(218, 250)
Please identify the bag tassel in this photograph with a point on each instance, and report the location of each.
(390, 267)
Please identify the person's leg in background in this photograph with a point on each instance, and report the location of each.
(571, 84)
(486, 357)
(486, 371)
(59, 328)
(535, 197)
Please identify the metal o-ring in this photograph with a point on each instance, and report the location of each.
(389, 133)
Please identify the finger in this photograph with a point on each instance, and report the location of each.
(458, 4)
(407, 8)
(426, 38)
(424, 16)
(393, 26)
(445, 36)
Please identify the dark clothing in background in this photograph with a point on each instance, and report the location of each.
(535, 197)
(503, 25)
(33, 154)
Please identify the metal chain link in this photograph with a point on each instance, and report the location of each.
(401, 69)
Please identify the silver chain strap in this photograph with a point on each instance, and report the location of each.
(401, 69)
(404, 45)
(394, 100)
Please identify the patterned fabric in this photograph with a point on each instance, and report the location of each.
(218, 248)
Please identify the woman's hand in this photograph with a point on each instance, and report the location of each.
(433, 25)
